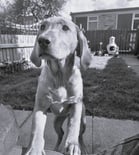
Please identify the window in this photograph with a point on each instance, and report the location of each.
(136, 21)
(136, 24)
(92, 23)
(137, 15)
(82, 22)
(124, 21)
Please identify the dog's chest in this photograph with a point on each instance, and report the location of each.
(59, 94)
(61, 86)
(58, 87)
(60, 90)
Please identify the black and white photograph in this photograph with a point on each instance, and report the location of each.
(69, 77)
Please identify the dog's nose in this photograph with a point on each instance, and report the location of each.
(44, 42)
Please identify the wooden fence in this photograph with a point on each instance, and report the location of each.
(125, 39)
(15, 52)
(16, 44)
(15, 47)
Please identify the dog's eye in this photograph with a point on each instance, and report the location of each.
(42, 27)
(65, 28)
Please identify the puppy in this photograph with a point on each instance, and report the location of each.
(60, 86)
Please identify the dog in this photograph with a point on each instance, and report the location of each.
(60, 85)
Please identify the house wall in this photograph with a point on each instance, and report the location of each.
(109, 19)
(82, 21)
(105, 21)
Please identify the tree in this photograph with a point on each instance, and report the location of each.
(4, 9)
(39, 9)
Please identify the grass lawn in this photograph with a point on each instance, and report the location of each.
(112, 92)
(18, 89)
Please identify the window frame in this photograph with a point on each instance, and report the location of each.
(92, 21)
(134, 19)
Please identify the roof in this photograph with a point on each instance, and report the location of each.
(106, 10)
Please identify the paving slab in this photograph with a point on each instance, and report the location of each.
(101, 133)
(50, 135)
(49, 152)
(132, 61)
(99, 62)
(16, 150)
(110, 132)
(8, 130)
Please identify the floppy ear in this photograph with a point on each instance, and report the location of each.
(84, 51)
(35, 55)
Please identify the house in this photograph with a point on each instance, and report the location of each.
(112, 19)
(100, 25)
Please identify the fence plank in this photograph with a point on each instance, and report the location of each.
(15, 47)
(19, 45)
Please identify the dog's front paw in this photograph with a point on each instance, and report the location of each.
(72, 148)
(35, 151)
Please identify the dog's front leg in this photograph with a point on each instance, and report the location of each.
(37, 137)
(72, 140)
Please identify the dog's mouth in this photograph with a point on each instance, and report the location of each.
(52, 53)
(47, 55)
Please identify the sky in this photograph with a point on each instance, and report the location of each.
(89, 5)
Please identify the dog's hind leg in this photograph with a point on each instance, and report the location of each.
(82, 130)
(58, 122)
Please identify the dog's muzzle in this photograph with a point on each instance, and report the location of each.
(43, 42)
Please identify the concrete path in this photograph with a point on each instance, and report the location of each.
(18, 151)
(101, 133)
(99, 62)
(8, 130)
(50, 135)
(132, 61)
(107, 133)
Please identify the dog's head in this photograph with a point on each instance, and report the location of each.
(58, 38)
